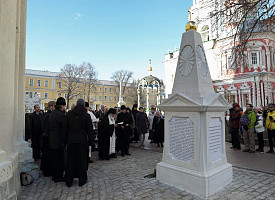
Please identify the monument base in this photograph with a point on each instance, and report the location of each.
(203, 184)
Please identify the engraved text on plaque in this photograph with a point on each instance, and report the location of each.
(215, 139)
(181, 131)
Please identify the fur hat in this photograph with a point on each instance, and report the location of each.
(61, 101)
(122, 107)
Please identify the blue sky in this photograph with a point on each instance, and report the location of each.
(111, 34)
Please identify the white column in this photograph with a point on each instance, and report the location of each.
(258, 91)
(240, 100)
(262, 94)
(138, 92)
(266, 92)
(158, 97)
(254, 93)
(268, 60)
(236, 98)
(147, 98)
(249, 97)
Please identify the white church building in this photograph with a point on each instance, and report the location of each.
(251, 80)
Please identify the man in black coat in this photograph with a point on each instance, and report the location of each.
(56, 140)
(78, 130)
(124, 121)
(134, 113)
(36, 131)
(45, 159)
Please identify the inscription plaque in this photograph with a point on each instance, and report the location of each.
(181, 131)
(215, 139)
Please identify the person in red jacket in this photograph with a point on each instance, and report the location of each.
(235, 117)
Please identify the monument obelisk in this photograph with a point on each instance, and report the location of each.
(194, 157)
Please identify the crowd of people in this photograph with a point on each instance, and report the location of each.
(64, 140)
(252, 122)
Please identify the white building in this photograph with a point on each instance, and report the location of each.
(250, 80)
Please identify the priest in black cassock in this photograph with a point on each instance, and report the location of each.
(78, 131)
(106, 135)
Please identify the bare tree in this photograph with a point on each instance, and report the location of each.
(243, 18)
(124, 76)
(89, 79)
(70, 77)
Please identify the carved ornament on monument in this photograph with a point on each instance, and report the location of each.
(201, 59)
(186, 60)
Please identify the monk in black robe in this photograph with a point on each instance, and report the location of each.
(78, 131)
(56, 140)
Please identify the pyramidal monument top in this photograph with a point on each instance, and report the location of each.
(192, 74)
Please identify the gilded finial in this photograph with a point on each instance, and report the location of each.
(150, 67)
(191, 26)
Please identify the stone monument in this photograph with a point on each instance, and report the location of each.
(194, 157)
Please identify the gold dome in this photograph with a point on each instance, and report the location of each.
(150, 68)
(191, 26)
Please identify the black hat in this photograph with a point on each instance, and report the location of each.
(140, 107)
(112, 111)
(86, 104)
(61, 101)
(80, 102)
(122, 107)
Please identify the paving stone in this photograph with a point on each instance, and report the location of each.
(123, 178)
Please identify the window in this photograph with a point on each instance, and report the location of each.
(114, 89)
(105, 98)
(100, 88)
(30, 94)
(59, 84)
(46, 95)
(105, 89)
(31, 82)
(100, 98)
(59, 95)
(110, 89)
(65, 96)
(110, 98)
(46, 83)
(39, 83)
(254, 57)
(95, 88)
(128, 91)
(114, 98)
(95, 97)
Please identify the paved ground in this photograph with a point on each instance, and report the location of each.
(258, 162)
(123, 178)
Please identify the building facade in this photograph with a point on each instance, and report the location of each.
(248, 80)
(44, 86)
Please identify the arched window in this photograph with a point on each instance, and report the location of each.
(205, 33)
